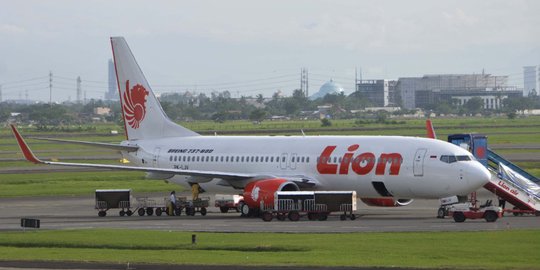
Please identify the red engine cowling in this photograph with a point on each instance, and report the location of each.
(386, 202)
(263, 191)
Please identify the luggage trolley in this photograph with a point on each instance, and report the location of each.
(113, 199)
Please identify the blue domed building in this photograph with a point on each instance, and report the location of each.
(329, 87)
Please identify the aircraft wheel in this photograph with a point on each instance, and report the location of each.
(149, 211)
(459, 217)
(140, 212)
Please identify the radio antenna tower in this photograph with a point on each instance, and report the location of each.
(304, 82)
(50, 87)
(79, 90)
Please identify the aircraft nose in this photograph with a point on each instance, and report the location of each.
(479, 175)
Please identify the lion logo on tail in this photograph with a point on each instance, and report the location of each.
(134, 104)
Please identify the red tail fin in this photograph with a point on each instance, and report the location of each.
(430, 130)
(24, 147)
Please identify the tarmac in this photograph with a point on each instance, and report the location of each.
(57, 213)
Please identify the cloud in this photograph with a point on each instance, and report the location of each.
(11, 29)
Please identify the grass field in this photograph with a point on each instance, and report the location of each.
(77, 183)
(454, 250)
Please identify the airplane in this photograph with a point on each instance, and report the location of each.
(383, 170)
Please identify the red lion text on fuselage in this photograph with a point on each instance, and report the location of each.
(361, 164)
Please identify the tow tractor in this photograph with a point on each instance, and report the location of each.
(469, 210)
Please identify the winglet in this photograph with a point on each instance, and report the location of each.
(430, 130)
(24, 147)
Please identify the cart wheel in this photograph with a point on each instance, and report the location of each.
(149, 211)
(203, 211)
(281, 216)
(323, 216)
(158, 212)
(102, 213)
(267, 216)
(353, 217)
(490, 216)
(312, 216)
(224, 209)
(244, 209)
(459, 217)
(129, 213)
(122, 213)
(294, 216)
(515, 213)
(342, 217)
(178, 211)
(440, 213)
(140, 212)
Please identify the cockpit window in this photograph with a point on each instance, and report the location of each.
(452, 159)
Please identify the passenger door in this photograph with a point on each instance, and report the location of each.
(155, 158)
(418, 166)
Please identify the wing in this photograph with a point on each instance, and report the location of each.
(128, 148)
(232, 178)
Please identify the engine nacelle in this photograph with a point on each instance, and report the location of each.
(386, 202)
(263, 191)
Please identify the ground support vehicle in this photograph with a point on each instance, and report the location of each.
(198, 205)
(462, 211)
(145, 206)
(182, 204)
(113, 199)
(227, 202)
(516, 211)
(315, 205)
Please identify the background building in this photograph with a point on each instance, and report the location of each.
(112, 93)
(423, 92)
(329, 87)
(529, 80)
(381, 93)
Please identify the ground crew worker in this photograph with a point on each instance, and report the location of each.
(195, 191)
(502, 203)
(172, 202)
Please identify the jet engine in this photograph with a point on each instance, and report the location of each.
(263, 191)
(386, 202)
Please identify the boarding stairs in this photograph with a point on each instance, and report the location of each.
(513, 184)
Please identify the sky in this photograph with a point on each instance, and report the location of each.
(252, 47)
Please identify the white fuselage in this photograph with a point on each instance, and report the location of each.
(407, 167)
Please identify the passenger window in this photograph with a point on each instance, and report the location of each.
(307, 160)
(271, 159)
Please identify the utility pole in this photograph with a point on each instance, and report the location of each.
(50, 87)
(79, 89)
